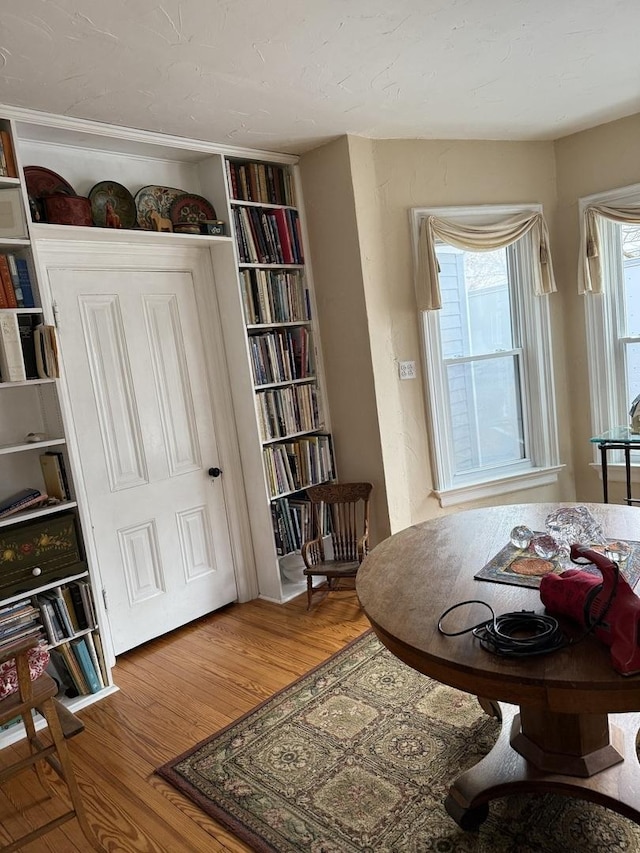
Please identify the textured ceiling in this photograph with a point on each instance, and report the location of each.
(290, 74)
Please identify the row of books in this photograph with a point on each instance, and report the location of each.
(56, 483)
(286, 411)
(78, 665)
(77, 662)
(268, 236)
(16, 290)
(280, 356)
(54, 473)
(28, 348)
(19, 622)
(292, 524)
(274, 296)
(22, 500)
(260, 182)
(8, 167)
(66, 611)
(291, 466)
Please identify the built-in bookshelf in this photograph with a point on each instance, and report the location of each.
(255, 311)
(42, 553)
(277, 301)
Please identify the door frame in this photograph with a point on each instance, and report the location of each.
(162, 253)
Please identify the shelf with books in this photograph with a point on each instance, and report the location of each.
(76, 657)
(283, 351)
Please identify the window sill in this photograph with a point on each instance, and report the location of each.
(616, 472)
(492, 488)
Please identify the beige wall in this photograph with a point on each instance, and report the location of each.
(342, 313)
(595, 160)
(358, 195)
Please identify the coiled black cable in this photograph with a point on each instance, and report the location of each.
(503, 635)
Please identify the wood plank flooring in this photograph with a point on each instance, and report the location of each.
(174, 692)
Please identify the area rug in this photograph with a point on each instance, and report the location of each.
(358, 755)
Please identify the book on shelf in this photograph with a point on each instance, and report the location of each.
(26, 326)
(20, 624)
(15, 279)
(54, 475)
(81, 652)
(90, 640)
(12, 639)
(6, 282)
(284, 235)
(58, 670)
(8, 610)
(82, 607)
(65, 660)
(9, 167)
(97, 641)
(79, 609)
(12, 367)
(61, 615)
(50, 620)
(265, 183)
(24, 280)
(19, 616)
(21, 500)
(46, 351)
(21, 281)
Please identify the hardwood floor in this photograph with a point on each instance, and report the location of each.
(174, 692)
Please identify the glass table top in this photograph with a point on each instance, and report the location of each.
(621, 434)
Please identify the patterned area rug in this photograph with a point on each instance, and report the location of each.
(358, 755)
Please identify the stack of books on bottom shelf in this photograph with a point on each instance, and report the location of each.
(69, 619)
(19, 622)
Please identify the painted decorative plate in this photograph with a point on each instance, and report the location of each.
(153, 202)
(112, 206)
(189, 210)
(42, 182)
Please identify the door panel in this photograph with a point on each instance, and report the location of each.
(133, 359)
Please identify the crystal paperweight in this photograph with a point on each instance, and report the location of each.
(521, 536)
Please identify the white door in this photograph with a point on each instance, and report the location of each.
(134, 363)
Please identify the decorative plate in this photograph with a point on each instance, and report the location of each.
(112, 206)
(189, 210)
(157, 200)
(42, 182)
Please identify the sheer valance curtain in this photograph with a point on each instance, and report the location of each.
(479, 238)
(589, 262)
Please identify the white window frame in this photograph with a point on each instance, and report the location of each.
(607, 380)
(541, 467)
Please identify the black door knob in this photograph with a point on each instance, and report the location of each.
(215, 472)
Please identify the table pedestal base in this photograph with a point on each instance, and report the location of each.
(589, 767)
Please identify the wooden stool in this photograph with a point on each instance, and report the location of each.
(39, 695)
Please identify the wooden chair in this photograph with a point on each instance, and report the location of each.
(341, 511)
(38, 694)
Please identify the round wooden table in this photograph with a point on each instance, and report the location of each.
(560, 738)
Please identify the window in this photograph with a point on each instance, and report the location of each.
(489, 368)
(613, 318)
